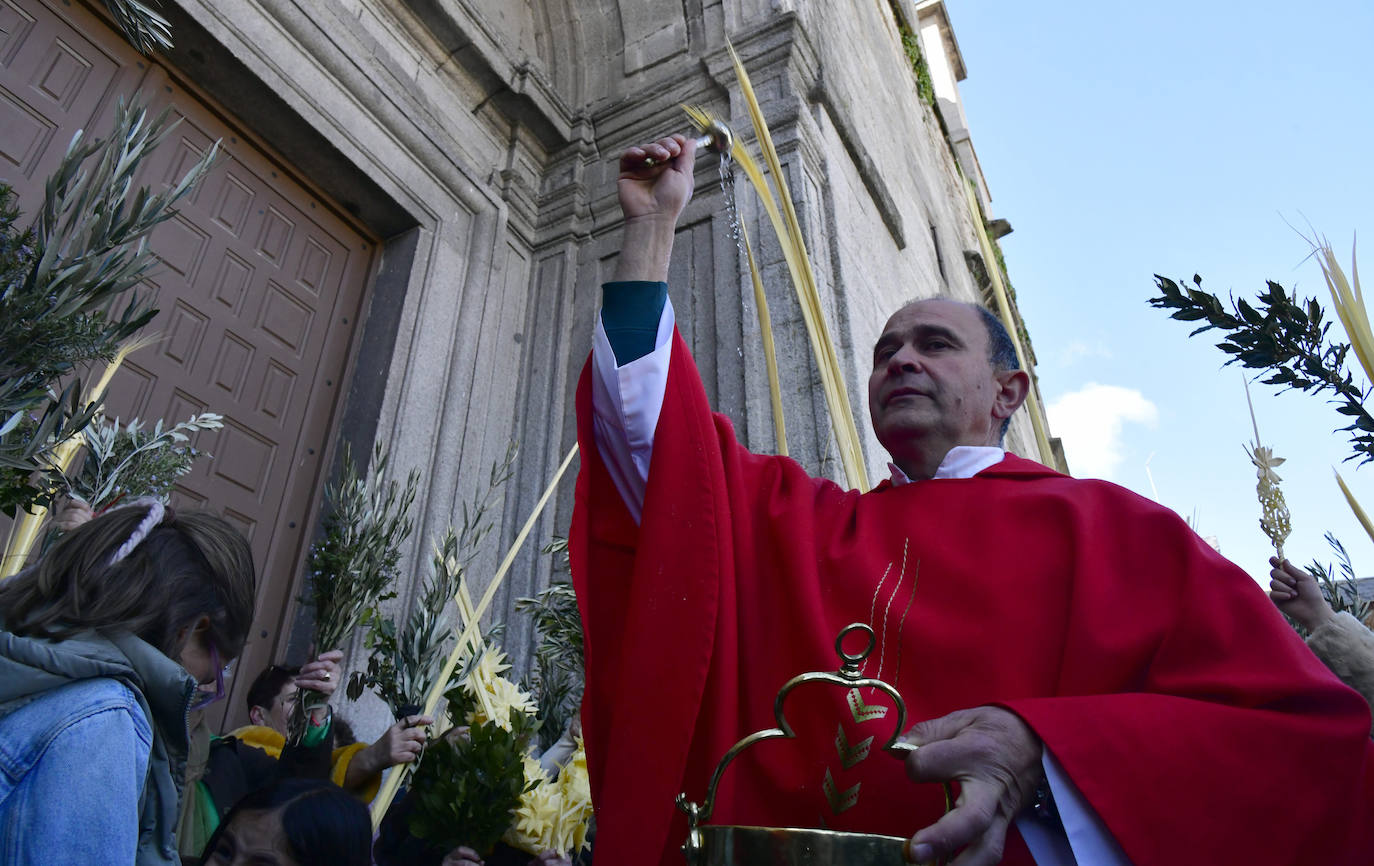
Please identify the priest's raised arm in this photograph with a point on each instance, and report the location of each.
(1050, 636)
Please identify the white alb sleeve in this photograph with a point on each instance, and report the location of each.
(1079, 837)
(626, 402)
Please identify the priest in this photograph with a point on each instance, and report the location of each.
(1097, 682)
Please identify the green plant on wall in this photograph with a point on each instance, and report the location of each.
(911, 44)
(1002, 263)
(924, 86)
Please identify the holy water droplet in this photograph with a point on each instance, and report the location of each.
(727, 186)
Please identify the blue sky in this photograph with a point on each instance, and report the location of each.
(1125, 139)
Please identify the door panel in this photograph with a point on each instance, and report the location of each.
(260, 286)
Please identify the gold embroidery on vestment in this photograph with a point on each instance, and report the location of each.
(863, 712)
(882, 635)
(850, 755)
(839, 801)
(911, 599)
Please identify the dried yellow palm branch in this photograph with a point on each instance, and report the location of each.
(125, 350)
(1274, 517)
(999, 288)
(495, 695)
(770, 355)
(554, 813)
(467, 613)
(1275, 520)
(788, 229)
(703, 121)
(804, 279)
(471, 630)
(1355, 506)
(1349, 302)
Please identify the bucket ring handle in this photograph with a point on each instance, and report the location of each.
(849, 676)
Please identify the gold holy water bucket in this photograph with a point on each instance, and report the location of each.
(735, 845)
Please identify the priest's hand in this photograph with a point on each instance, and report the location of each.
(654, 185)
(656, 179)
(995, 758)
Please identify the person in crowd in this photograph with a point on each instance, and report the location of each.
(465, 856)
(293, 822)
(105, 645)
(1341, 641)
(395, 845)
(1104, 687)
(343, 732)
(356, 767)
(558, 754)
(221, 770)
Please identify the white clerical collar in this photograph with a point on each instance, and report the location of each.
(962, 461)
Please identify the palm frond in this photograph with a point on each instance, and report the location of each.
(788, 229)
(405, 661)
(1342, 593)
(66, 301)
(471, 631)
(356, 561)
(143, 26)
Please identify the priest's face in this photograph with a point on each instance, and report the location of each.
(933, 385)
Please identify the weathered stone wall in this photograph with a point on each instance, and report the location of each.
(480, 138)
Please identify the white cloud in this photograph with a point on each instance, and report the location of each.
(1078, 350)
(1090, 420)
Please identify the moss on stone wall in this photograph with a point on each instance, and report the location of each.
(911, 44)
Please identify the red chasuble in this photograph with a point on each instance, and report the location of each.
(1187, 712)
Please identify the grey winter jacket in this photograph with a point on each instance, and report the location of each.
(32, 668)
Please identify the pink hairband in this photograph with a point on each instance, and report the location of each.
(156, 513)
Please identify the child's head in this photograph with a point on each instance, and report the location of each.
(294, 822)
(272, 697)
(182, 582)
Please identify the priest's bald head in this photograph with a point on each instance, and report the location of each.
(944, 374)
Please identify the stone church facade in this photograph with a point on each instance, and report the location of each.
(407, 233)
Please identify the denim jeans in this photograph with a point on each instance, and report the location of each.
(73, 763)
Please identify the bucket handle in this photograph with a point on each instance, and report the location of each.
(849, 676)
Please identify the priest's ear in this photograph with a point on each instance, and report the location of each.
(1013, 386)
